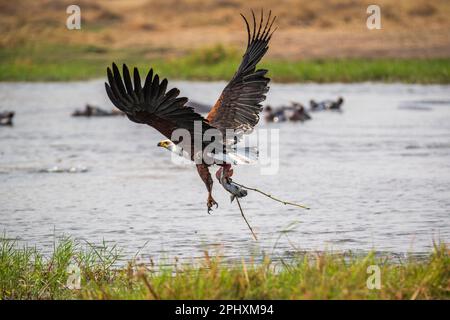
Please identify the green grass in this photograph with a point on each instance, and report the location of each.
(51, 62)
(25, 273)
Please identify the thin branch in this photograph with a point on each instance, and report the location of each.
(272, 197)
(243, 216)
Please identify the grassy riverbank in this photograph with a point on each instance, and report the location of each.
(25, 273)
(64, 63)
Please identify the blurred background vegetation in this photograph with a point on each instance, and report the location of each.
(321, 41)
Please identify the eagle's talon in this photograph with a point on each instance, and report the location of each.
(211, 202)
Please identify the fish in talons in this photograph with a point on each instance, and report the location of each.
(224, 176)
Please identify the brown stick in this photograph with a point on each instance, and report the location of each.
(272, 197)
(152, 291)
(243, 216)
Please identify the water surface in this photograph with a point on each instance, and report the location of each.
(376, 175)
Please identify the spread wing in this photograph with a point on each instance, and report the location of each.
(151, 104)
(239, 105)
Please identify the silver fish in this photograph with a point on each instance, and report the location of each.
(231, 187)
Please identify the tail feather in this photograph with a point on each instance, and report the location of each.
(251, 153)
(239, 155)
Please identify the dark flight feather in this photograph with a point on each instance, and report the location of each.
(151, 104)
(239, 106)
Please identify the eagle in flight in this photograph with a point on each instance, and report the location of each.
(237, 108)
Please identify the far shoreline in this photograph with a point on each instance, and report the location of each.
(77, 63)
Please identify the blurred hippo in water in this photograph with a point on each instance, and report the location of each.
(6, 118)
(269, 115)
(299, 113)
(294, 112)
(326, 105)
(93, 111)
(199, 107)
(275, 115)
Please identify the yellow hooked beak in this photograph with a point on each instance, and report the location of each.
(163, 144)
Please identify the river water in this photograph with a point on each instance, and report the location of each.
(376, 176)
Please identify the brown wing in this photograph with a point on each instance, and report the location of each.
(151, 104)
(239, 105)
